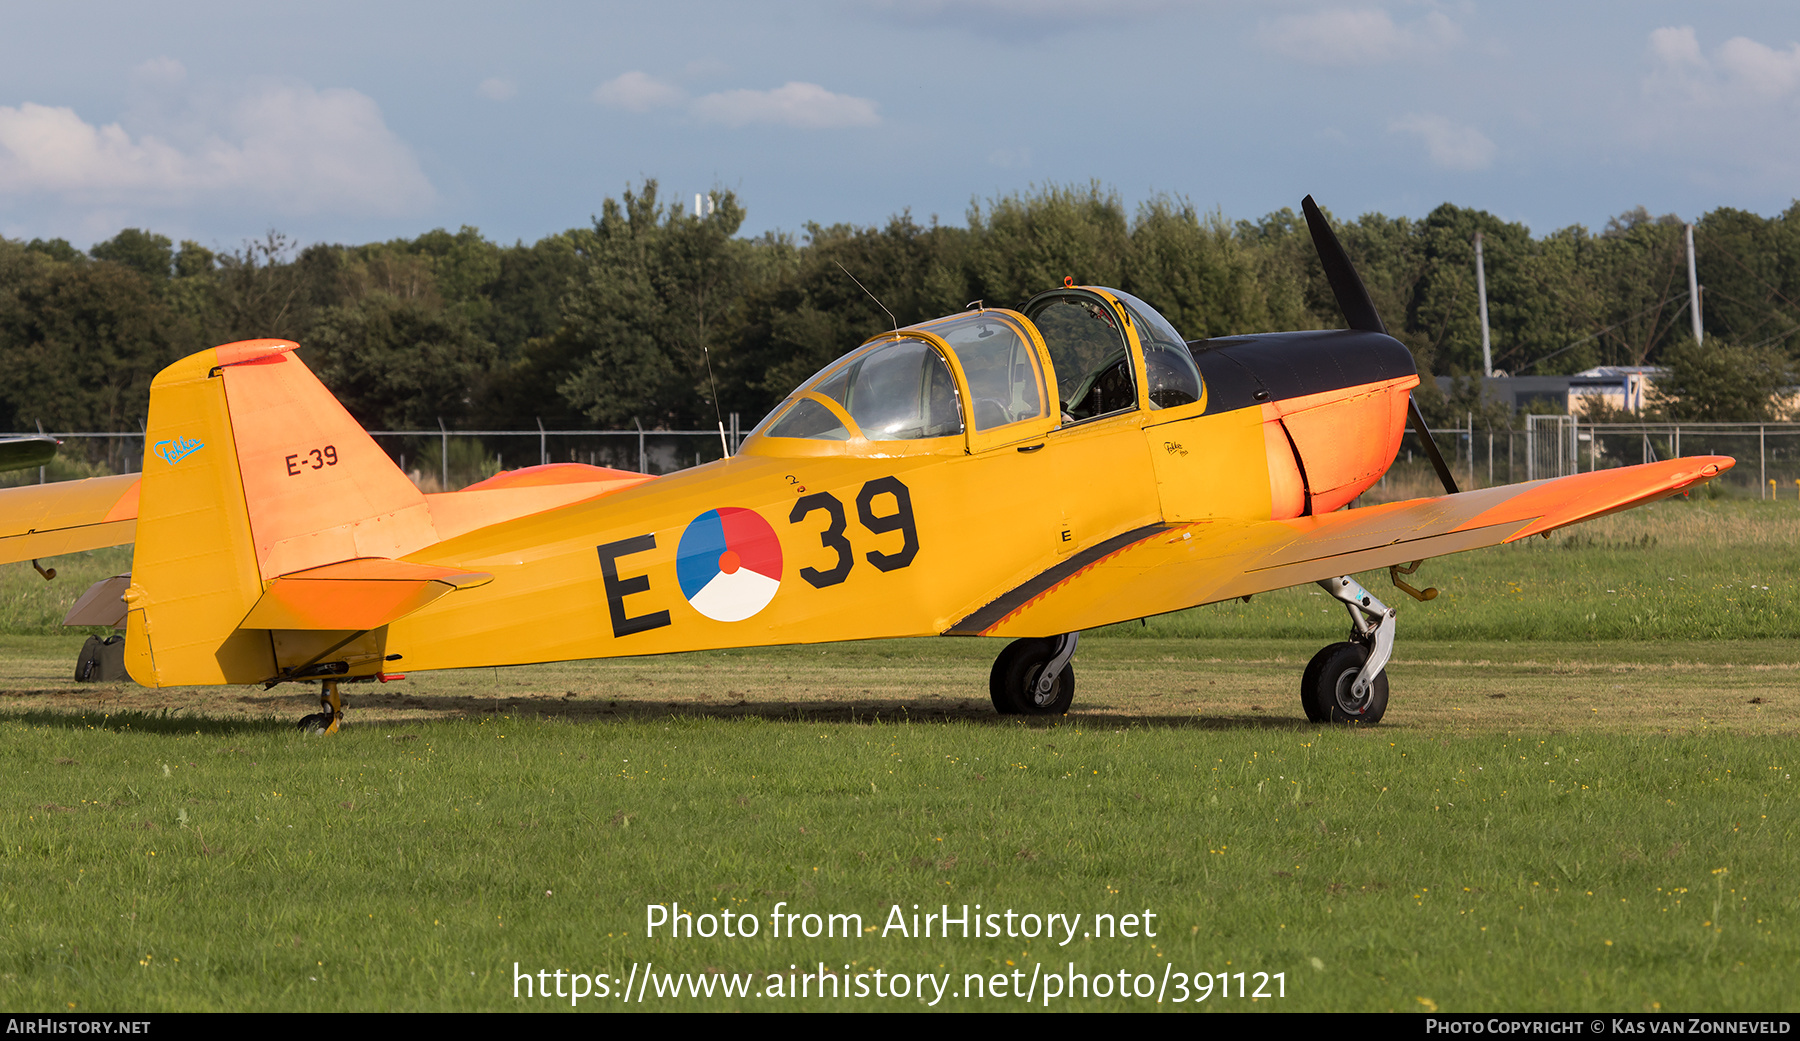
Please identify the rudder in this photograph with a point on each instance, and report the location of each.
(253, 470)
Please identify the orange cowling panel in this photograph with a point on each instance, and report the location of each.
(1346, 438)
(1287, 491)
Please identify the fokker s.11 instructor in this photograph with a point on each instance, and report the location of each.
(1026, 473)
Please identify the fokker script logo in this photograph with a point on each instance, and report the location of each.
(175, 450)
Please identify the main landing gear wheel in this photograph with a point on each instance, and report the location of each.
(1013, 684)
(1316, 710)
(1328, 692)
(325, 722)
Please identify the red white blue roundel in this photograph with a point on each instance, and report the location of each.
(729, 563)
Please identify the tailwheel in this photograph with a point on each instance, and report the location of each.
(332, 702)
(1330, 689)
(1033, 677)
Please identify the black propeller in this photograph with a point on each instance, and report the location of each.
(1359, 313)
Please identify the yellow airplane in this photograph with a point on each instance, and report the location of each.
(1026, 473)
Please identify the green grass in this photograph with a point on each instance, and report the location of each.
(31, 605)
(1561, 812)
(1680, 569)
(169, 864)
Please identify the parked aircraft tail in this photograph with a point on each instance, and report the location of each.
(271, 527)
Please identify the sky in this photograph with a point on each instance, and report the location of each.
(357, 122)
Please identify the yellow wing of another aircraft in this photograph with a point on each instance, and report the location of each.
(1025, 473)
(48, 520)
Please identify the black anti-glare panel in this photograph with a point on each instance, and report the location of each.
(1291, 365)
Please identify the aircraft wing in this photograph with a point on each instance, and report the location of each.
(23, 453)
(47, 520)
(1165, 568)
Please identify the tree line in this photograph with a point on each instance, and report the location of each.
(653, 314)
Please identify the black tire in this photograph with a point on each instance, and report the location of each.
(1317, 710)
(1332, 687)
(1013, 681)
(315, 723)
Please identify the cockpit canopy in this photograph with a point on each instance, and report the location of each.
(991, 375)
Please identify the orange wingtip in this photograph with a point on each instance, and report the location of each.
(252, 350)
(1563, 501)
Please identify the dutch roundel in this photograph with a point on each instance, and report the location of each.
(729, 563)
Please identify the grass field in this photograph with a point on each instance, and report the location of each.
(1552, 817)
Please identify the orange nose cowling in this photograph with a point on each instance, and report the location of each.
(1344, 439)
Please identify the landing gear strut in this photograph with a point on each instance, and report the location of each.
(1345, 682)
(325, 722)
(1033, 677)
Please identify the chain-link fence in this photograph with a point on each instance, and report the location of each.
(1768, 454)
(439, 460)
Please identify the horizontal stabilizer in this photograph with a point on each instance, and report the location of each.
(48, 520)
(355, 595)
(102, 604)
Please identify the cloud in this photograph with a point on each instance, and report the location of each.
(1730, 116)
(637, 92)
(1740, 72)
(806, 106)
(283, 146)
(1360, 36)
(1451, 146)
(495, 88)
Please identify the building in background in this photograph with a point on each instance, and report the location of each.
(1616, 388)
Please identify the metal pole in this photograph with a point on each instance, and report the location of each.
(1693, 287)
(1487, 355)
(1469, 432)
(444, 455)
(1762, 456)
(643, 460)
(543, 444)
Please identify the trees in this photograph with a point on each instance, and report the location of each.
(400, 363)
(655, 315)
(1194, 270)
(655, 296)
(80, 343)
(1716, 382)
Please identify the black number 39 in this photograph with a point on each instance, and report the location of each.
(832, 538)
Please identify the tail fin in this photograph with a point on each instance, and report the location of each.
(252, 470)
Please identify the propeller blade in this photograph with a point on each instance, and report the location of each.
(1352, 296)
(1359, 313)
(1431, 448)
